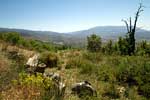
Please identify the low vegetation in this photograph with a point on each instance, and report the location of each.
(108, 67)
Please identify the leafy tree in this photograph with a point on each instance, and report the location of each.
(94, 43)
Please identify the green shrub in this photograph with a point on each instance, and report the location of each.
(94, 43)
(87, 67)
(108, 48)
(107, 74)
(49, 58)
(111, 92)
(145, 90)
(48, 89)
(11, 37)
(93, 57)
(72, 63)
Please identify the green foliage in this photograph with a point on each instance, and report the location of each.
(48, 88)
(125, 70)
(133, 72)
(145, 90)
(109, 48)
(123, 46)
(73, 62)
(107, 67)
(26, 79)
(15, 39)
(131, 42)
(87, 67)
(143, 49)
(94, 43)
(92, 56)
(11, 37)
(107, 74)
(111, 91)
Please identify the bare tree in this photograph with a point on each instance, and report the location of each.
(132, 29)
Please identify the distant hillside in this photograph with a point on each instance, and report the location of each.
(111, 32)
(79, 37)
(39, 35)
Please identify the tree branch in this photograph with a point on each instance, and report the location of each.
(126, 25)
(130, 24)
(137, 16)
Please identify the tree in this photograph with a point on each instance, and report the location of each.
(94, 43)
(131, 30)
(109, 47)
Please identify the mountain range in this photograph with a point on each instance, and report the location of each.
(79, 37)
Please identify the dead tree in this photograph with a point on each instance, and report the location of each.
(131, 30)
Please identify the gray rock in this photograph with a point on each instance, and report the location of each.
(83, 88)
(55, 76)
(59, 85)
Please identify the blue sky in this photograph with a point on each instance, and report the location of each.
(69, 15)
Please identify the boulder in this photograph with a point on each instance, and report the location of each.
(33, 61)
(59, 85)
(55, 76)
(33, 65)
(83, 89)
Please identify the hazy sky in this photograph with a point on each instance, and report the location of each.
(69, 15)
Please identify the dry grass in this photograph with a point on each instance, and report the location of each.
(4, 64)
(9, 48)
(22, 93)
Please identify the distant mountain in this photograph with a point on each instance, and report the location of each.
(39, 35)
(79, 37)
(111, 32)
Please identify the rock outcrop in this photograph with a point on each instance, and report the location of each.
(33, 65)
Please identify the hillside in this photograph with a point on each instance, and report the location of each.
(78, 38)
(110, 74)
(111, 32)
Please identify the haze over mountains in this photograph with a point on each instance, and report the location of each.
(79, 37)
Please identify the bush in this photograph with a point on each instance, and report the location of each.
(49, 58)
(12, 37)
(15, 38)
(107, 74)
(112, 92)
(87, 67)
(73, 63)
(108, 48)
(145, 90)
(93, 57)
(94, 43)
(34, 86)
(135, 71)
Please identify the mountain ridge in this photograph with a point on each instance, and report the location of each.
(79, 37)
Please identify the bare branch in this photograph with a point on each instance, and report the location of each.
(140, 9)
(130, 24)
(126, 24)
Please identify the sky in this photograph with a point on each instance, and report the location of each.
(70, 15)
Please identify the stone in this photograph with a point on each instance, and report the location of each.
(83, 88)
